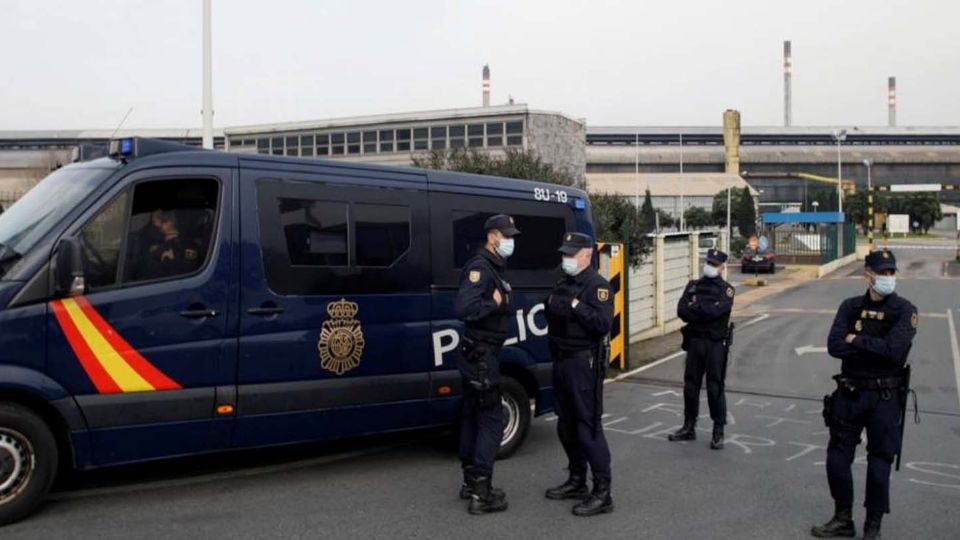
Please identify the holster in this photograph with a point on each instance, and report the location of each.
(476, 352)
(828, 410)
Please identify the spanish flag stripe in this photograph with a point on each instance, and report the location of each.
(134, 359)
(98, 376)
(121, 372)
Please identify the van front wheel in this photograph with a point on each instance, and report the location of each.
(516, 416)
(28, 461)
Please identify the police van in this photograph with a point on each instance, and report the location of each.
(168, 301)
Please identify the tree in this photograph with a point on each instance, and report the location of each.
(615, 219)
(665, 219)
(924, 208)
(720, 207)
(697, 218)
(648, 218)
(746, 213)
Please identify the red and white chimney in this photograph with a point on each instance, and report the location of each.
(486, 85)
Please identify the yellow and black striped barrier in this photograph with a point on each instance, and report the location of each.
(613, 267)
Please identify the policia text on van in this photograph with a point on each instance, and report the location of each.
(167, 301)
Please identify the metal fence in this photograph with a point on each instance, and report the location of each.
(810, 244)
(829, 241)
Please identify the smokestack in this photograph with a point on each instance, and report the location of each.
(787, 70)
(731, 140)
(486, 85)
(892, 101)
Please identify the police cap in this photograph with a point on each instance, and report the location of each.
(716, 257)
(881, 260)
(502, 223)
(574, 242)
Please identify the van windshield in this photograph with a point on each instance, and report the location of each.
(31, 217)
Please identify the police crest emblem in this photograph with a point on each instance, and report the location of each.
(915, 319)
(341, 338)
(603, 294)
(730, 292)
(858, 326)
(474, 276)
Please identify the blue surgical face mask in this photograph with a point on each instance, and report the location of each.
(710, 271)
(884, 285)
(570, 266)
(505, 247)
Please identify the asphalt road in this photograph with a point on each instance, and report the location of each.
(768, 483)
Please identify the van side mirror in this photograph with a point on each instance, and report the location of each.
(67, 269)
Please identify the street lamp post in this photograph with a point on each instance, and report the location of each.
(869, 165)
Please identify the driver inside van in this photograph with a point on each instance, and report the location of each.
(170, 255)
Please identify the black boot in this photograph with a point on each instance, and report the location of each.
(871, 527)
(599, 502)
(841, 525)
(484, 499)
(574, 488)
(716, 442)
(466, 488)
(687, 433)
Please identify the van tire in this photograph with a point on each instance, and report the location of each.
(516, 416)
(28, 461)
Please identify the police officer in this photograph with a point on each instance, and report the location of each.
(483, 304)
(705, 306)
(871, 335)
(170, 255)
(579, 316)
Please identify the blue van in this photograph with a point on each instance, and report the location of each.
(167, 301)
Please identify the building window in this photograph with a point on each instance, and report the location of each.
(420, 139)
(514, 133)
(323, 145)
(403, 140)
(475, 135)
(263, 146)
(495, 134)
(369, 142)
(353, 142)
(438, 137)
(336, 144)
(457, 134)
(293, 146)
(386, 140)
(306, 145)
(276, 146)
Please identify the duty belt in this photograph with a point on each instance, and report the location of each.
(576, 355)
(876, 383)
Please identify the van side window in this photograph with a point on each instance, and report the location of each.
(316, 232)
(166, 232)
(171, 228)
(536, 247)
(320, 238)
(102, 240)
(382, 232)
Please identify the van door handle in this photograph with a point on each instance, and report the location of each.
(265, 311)
(199, 313)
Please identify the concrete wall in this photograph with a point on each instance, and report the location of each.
(559, 141)
(657, 285)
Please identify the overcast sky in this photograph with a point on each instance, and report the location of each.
(82, 64)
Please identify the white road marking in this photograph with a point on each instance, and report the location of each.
(809, 349)
(755, 320)
(956, 350)
(640, 369)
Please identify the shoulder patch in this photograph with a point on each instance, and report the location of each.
(603, 294)
(474, 276)
(915, 319)
(730, 292)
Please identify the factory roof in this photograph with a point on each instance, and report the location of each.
(599, 154)
(398, 118)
